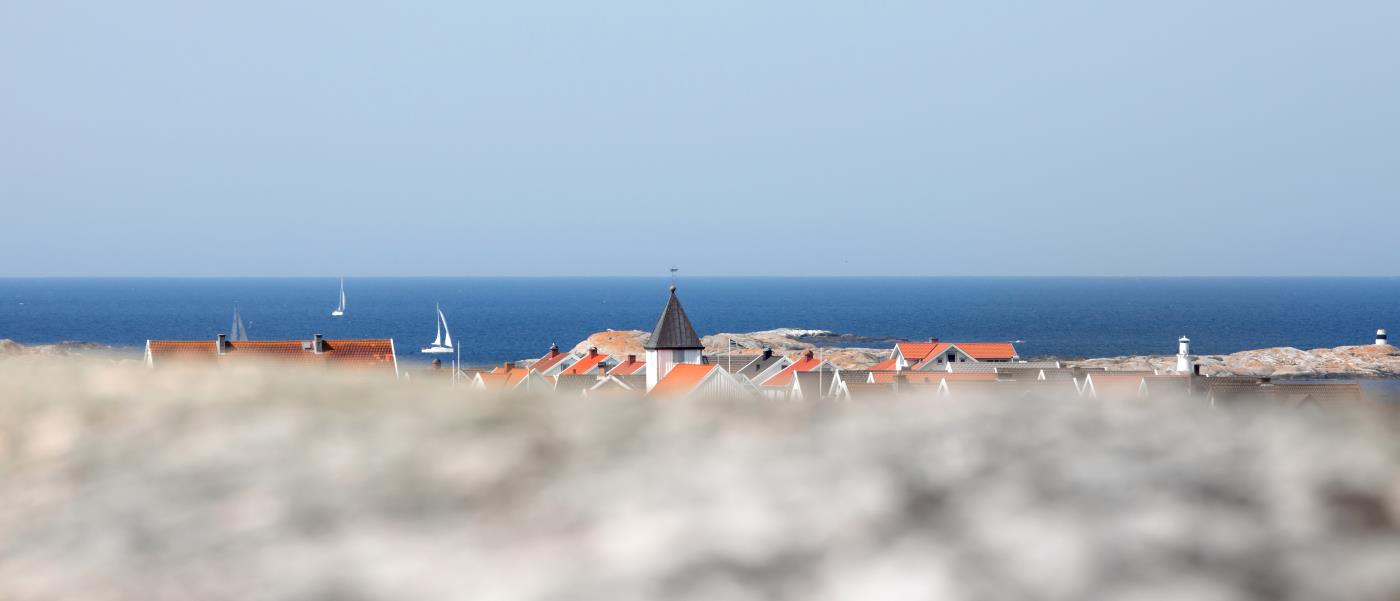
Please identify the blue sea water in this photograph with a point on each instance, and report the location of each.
(496, 319)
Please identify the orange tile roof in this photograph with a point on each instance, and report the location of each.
(916, 351)
(883, 365)
(783, 378)
(183, 350)
(627, 368)
(585, 364)
(503, 380)
(549, 360)
(983, 351)
(682, 379)
(934, 352)
(370, 353)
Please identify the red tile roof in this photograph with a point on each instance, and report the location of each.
(628, 367)
(550, 359)
(883, 365)
(916, 352)
(984, 351)
(503, 380)
(584, 365)
(682, 379)
(783, 378)
(360, 354)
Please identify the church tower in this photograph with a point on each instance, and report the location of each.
(672, 342)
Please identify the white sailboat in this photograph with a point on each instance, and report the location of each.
(340, 309)
(443, 342)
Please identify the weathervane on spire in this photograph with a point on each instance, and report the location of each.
(673, 279)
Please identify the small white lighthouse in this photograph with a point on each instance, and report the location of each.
(1380, 338)
(1183, 356)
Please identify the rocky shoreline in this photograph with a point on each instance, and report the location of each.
(789, 341)
(10, 348)
(1364, 361)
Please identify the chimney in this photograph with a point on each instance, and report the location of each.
(554, 349)
(592, 351)
(807, 355)
(437, 364)
(933, 339)
(631, 358)
(221, 344)
(318, 344)
(767, 354)
(507, 366)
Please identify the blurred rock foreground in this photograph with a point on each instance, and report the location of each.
(125, 484)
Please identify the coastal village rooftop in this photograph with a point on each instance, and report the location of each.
(677, 364)
(364, 354)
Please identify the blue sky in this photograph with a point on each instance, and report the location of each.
(730, 138)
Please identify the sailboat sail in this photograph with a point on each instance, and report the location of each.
(340, 309)
(237, 331)
(447, 334)
(437, 341)
(442, 343)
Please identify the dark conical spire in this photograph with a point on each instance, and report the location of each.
(673, 330)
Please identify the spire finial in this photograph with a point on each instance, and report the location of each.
(673, 279)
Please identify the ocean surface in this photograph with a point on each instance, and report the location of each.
(495, 319)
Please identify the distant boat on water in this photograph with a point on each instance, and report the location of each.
(443, 342)
(340, 309)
